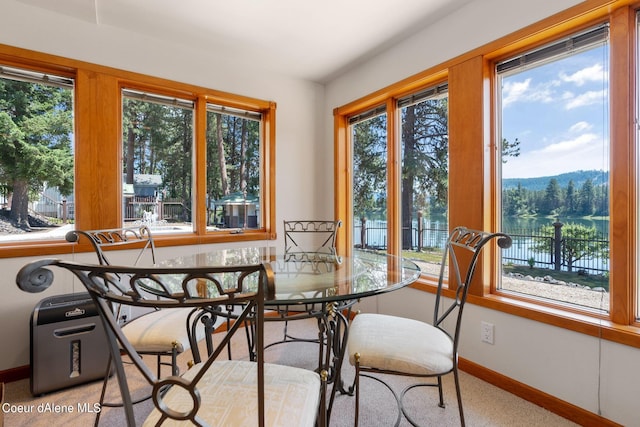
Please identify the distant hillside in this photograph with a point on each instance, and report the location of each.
(540, 183)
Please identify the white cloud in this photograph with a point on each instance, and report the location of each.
(546, 92)
(513, 91)
(568, 146)
(581, 126)
(595, 73)
(567, 95)
(588, 98)
(522, 91)
(581, 153)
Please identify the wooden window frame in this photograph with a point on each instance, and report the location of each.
(98, 146)
(474, 157)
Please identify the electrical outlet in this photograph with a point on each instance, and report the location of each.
(486, 332)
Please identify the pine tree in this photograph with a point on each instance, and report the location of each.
(36, 125)
(587, 198)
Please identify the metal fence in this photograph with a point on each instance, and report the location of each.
(169, 210)
(53, 205)
(521, 251)
(49, 205)
(525, 249)
(556, 257)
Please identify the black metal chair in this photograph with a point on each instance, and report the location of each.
(306, 242)
(383, 344)
(214, 392)
(157, 333)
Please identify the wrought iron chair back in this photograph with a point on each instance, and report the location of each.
(459, 262)
(307, 244)
(302, 237)
(118, 238)
(245, 286)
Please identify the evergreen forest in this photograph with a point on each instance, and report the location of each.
(574, 194)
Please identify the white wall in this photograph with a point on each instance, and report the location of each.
(562, 363)
(300, 156)
(474, 25)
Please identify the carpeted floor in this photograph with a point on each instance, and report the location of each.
(484, 404)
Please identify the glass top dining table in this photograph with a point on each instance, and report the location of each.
(317, 285)
(304, 278)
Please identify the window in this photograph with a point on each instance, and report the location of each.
(233, 168)
(553, 161)
(157, 166)
(414, 215)
(369, 139)
(554, 134)
(36, 155)
(140, 149)
(424, 141)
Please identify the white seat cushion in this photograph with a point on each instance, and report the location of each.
(229, 393)
(158, 330)
(399, 344)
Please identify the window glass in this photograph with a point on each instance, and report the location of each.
(424, 144)
(369, 144)
(233, 169)
(157, 167)
(36, 155)
(554, 138)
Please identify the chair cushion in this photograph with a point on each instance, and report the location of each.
(229, 392)
(399, 344)
(158, 330)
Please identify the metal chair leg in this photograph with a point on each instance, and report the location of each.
(356, 384)
(458, 394)
(174, 361)
(440, 393)
(104, 391)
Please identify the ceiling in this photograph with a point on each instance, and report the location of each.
(312, 40)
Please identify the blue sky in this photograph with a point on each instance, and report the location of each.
(559, 112)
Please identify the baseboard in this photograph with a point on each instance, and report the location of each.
(551, 403)
(15, 374)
